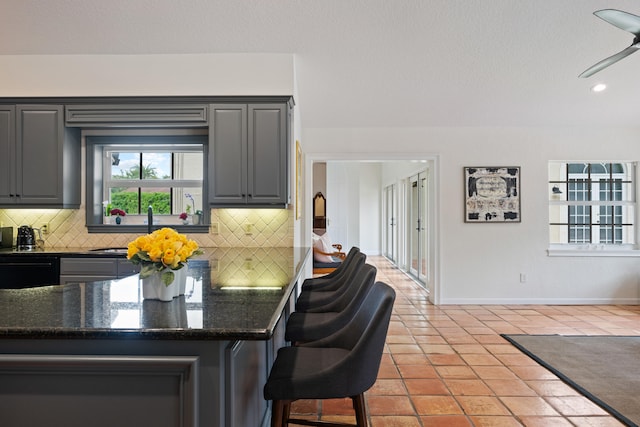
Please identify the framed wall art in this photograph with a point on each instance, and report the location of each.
(492, 194)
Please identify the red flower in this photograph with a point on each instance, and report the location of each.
(117, 211)
(183, 215)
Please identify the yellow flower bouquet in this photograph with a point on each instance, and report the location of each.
(163, 250)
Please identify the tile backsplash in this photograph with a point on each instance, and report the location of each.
(230, 228)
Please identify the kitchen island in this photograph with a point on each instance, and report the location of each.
(96, 353)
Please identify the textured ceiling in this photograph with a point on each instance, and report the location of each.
(363, 63)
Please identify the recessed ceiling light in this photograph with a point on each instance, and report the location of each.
(598, 87)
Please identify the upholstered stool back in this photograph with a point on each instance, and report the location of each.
(313, 325)
(334, 279)
(336, 300)
(344, 364)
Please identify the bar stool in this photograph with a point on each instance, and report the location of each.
(344, 364)
(335, 300)
(331, 280)
(311, 326)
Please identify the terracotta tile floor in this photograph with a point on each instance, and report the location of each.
(449, 366)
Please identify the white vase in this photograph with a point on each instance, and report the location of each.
(157, 314)
(154, 288)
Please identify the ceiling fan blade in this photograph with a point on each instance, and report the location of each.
(623, 20)
(610, 60)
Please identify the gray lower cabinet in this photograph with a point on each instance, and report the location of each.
(133, 382)
(78, 390)
(39, 158)
(94, 269)
(126, 268)
(246, 370)
(248, 155)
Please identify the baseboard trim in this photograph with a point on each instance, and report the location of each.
(539, 301)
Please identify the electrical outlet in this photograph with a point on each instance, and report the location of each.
(45, 228)
(215, 228)
(523, 278)
(248, 228)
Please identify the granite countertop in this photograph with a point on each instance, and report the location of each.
(231, 294)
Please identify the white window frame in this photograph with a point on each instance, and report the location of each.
(592, 246)
(95, 141)
(179, 187)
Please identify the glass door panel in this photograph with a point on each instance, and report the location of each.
(418, 221)
(390, 234)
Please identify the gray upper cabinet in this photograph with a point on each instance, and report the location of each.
(40, 159)
(227, 154)
(139, 115)
(7, 156)
(248, 157)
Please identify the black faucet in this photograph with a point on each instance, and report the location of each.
(150, 219)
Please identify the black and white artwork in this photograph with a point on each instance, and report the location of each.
(492, 194)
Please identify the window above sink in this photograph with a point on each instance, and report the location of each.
(130, 170)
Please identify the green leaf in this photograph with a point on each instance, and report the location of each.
(147, 270)
(167, 277)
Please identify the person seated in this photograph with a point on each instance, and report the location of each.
(327, 256)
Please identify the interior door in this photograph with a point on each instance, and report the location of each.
(338, 205)
(418, 227)
(390, 223)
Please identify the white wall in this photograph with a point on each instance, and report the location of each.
(319, 179)
(353, 205)
(482, 263)
(152, 75)
(370, 207)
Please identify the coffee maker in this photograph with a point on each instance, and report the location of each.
(26, 240)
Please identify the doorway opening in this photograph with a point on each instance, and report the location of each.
(384, 207)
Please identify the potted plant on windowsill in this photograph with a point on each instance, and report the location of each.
(197, 217)
(118, 215)
(184, 217)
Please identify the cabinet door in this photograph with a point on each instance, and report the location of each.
(7, 148)
(89, 267)
(227, 154)
(267, 151)
(39, 145)
(246, 373)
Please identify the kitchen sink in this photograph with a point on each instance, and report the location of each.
(110, 250)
